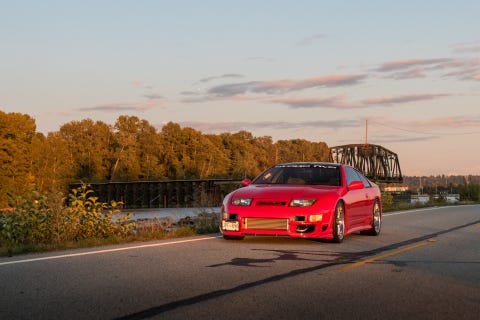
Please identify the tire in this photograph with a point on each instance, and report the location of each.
(376, 220)
(233, 237)
(339, 223)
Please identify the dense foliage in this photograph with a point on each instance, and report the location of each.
(131, 150)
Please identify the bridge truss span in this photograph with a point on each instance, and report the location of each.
(375, 162)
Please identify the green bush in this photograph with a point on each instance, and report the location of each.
(89, 218)
(35, 220)
(388, 203)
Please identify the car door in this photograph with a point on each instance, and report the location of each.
(369, 199)
(354, 198)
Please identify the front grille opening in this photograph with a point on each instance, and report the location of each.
(271, 203)
(305, 228)
(266, 223)
(233, 216)
(299, 218)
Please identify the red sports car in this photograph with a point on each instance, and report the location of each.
(304, 200)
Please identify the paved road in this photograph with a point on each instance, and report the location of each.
(424, 265)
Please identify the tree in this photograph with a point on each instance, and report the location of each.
(173, 156)
(138, 150)
(90, 144)
(16, 133)
(52, 162)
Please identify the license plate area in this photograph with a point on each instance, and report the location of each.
(230, 225)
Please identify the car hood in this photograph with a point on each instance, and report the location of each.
(284, 192)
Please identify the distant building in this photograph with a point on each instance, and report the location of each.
(452, 198)
(419, 198)
(395, 189)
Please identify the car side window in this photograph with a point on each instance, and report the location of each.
(352, 175)
(365, 181)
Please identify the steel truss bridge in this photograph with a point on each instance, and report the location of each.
(375, 162)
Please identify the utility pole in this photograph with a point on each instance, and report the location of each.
(366, 131)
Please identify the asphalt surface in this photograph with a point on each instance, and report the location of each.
(424, 265)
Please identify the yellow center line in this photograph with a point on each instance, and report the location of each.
(387, 254)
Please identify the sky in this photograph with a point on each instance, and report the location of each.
(314, 70)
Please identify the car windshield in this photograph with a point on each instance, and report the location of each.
(303, 174)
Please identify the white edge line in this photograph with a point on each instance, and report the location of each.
(420, 210)
(106, 251)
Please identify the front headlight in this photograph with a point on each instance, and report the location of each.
(241, 201)
(301, 203)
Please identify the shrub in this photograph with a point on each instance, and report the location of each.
(34, 219)
(89, 218)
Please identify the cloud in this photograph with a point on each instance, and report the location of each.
(466, 47)
(284, 86)
(190, 93)
(402, 99)
(465, 69)
(328, 102)
(340, 102)
(334, 102)
(123, 106)
(462, 69)
(407, 64)
(224, 76)
(153, 96)
(310, 39)
(277, 125)
(194, 97)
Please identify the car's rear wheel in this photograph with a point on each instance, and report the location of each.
(233, 237)
(339, 223)
(376, 220)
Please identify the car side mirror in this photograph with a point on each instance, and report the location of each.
(246, 182)
(355, 185)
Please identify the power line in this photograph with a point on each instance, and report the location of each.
(423, 132)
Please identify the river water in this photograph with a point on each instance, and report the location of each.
(175, 213)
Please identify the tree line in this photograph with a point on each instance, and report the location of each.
(132, 150)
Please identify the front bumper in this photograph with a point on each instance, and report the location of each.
(296, 226)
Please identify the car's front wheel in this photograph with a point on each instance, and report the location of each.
(339, 223)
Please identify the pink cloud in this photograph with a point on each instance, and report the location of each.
(340, 102)
(284, 86)
(124, 106)
(277, 125)
(328, 102)
(463, 69)
(402, 99)
(409, 63)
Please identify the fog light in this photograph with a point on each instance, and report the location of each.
(315, 218)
